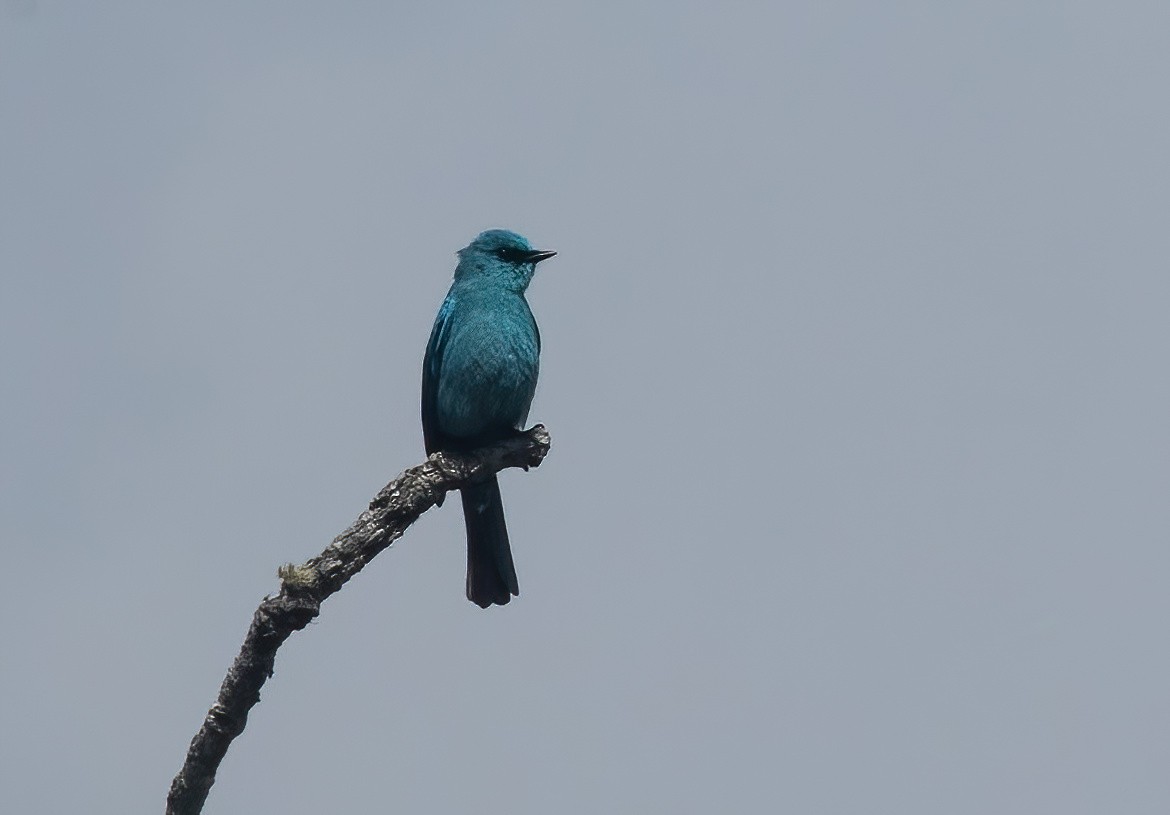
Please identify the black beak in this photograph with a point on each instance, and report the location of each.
(537, 255)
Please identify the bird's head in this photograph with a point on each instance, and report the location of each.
(501, 254)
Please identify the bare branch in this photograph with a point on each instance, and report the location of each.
(303, 588)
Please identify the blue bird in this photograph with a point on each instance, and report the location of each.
(479, 377)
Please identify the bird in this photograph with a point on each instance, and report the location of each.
(479, 377)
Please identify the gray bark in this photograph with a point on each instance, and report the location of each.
(304, 587)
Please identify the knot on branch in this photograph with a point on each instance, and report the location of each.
(288, 612)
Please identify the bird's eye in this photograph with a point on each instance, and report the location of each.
(510, 255)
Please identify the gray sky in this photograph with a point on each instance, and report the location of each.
(854, 362)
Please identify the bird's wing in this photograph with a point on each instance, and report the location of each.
(432, 367)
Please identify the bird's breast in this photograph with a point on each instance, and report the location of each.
(488, 375)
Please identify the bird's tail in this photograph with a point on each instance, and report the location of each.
(491, 576)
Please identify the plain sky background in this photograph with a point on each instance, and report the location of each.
(855, 364)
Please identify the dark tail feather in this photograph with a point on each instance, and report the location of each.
(491, 577)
